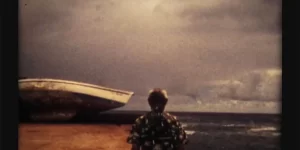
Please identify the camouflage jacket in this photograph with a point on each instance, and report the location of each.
(157, 129)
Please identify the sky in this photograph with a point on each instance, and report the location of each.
(210, 55)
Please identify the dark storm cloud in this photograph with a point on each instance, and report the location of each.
(137, 45)
(247, 16)
(42, 15)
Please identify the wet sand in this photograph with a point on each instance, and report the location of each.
(72, 137)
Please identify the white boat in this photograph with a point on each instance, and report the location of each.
(57, 96)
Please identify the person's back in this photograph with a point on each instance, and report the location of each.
(157, 129)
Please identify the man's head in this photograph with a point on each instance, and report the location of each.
(158, 99)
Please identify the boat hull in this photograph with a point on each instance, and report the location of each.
(51, 97)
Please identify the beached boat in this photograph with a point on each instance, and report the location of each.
(61, 99)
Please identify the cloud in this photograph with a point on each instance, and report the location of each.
(137, 45)
(215, 15)
(255, 91)
(261, 85)
(188, 104)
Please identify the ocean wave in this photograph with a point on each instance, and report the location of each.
(190, 132)
(263, 129)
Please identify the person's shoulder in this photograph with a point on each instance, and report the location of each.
(170, 117)
(140, 119)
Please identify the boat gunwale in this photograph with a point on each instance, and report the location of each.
(75, 83)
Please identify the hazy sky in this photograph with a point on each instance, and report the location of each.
(208, 54)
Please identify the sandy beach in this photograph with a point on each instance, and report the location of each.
(72, 137)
